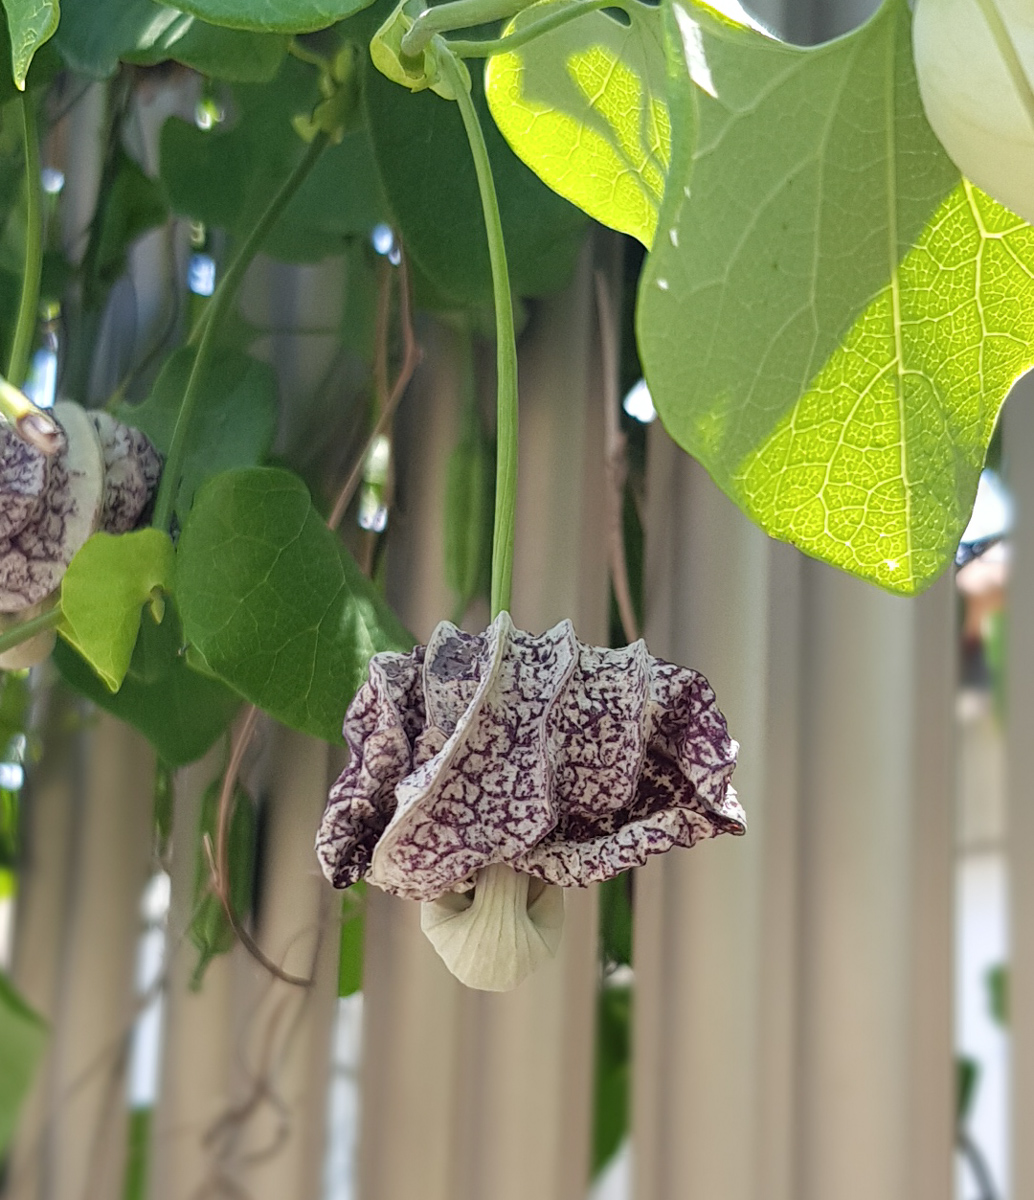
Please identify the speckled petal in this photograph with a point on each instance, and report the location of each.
(23, 481)
(487, 796)
(381, 725)
(33, 560)
(680, 793)
(132, 469)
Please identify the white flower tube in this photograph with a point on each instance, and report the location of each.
(975, 65)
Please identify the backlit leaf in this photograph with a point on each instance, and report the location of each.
(584, 106)
(830, 318)
(30, 23)
(103, 591)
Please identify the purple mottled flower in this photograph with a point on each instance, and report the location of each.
(567, 763)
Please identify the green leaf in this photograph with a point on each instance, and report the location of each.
(95, 34)
(106, 585)
(353, 931)
(616, 920)
(235, 422)
(210, 929)
(179, 711)
(134, 205)
(226, 177)
(830, 319)
(967, 1078)
(23, 1038)
(428, 176)
(282, 16)
(138, 1153)
(613, 1073)
(998, 994)
(584, 106)
(30, 23)
(275, 604)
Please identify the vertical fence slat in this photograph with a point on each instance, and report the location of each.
(697, 935)
(1019, 445)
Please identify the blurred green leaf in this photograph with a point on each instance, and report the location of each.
(95, 34)
(469, 503)
(428, 175)
(967, 1077)
(138, 1150)
(794, 340)
(178, 710)
(210, 929)
(226, 177)
(23, 1038)
(353, 930)
(613, 1074)
(30, 23)
(615, 899)
(103, 591)
(275, 604)
(133, 206)
(998, 994)
(235, 422)
(584, 106)
(285, 16)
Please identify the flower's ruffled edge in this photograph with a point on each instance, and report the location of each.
(568, 808)
(487, 795)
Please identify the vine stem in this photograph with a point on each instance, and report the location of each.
(220, 305)
(520, 37)
(28, 308)
(506, 344)
(29, 629)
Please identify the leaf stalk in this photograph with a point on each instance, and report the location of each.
(28, 307)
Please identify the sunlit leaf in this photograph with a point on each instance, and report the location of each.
(584, 106)
(30, 23)
(275, 604)
(282, 16)
(23, 1038)
(830, 319)
(106, 585)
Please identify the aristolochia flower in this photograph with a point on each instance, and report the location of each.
(103, 477)
(975, 65)
(486, 769)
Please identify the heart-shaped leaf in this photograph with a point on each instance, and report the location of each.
(830, 318)
(275, 604)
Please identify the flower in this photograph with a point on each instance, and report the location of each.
(102, 477)
(974, 62)
(564, 762)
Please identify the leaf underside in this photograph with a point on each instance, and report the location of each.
(831, 318)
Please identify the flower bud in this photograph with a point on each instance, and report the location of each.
(974, 62)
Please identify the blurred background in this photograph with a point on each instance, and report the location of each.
(840, 1005)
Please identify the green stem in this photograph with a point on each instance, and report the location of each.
(28, 629)
(506, 345)
(457, 14)
(28, 309)
(214, 314)
(521, 37)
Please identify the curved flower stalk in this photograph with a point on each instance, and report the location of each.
(103, 477)
(488, 770)
(975, 66)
